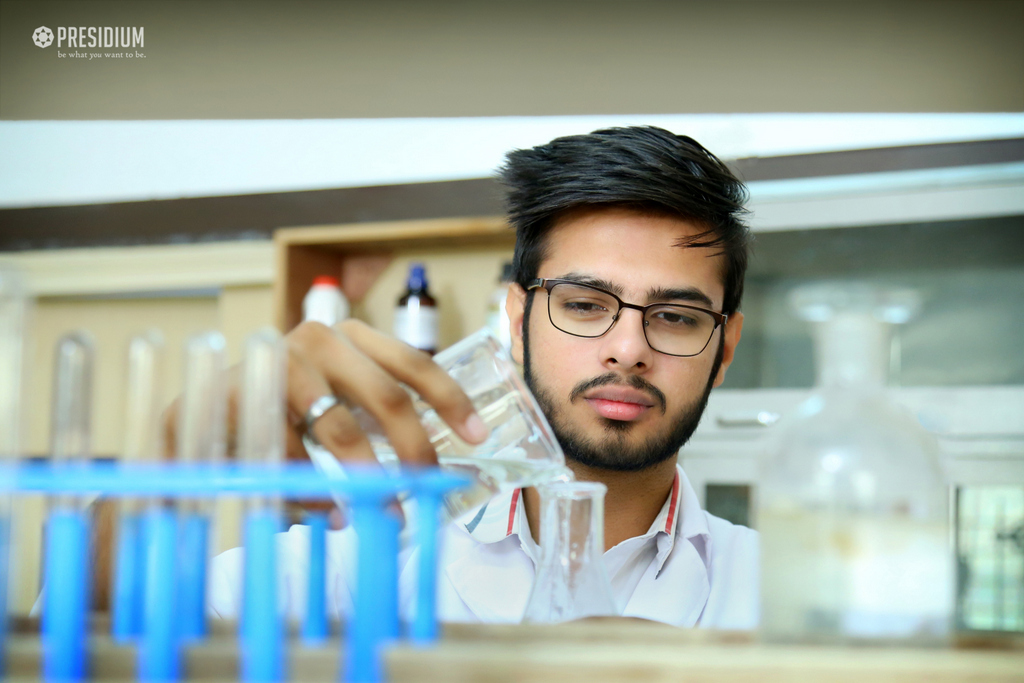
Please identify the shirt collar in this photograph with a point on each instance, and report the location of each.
(688, 521)
(681, 516)
(498, 518)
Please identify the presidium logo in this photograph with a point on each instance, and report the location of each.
(103, 37)
(42, 36)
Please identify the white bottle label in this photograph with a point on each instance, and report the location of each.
(417, 326)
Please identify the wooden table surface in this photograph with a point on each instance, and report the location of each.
(599, 650)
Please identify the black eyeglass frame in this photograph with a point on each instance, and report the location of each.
(547, 284)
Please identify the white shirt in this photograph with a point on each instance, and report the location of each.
(690, 568)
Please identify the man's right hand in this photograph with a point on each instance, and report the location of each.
(362, 367)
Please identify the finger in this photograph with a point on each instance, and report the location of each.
(426, 377)
(351, 374)
(294, 448)
(336, 430)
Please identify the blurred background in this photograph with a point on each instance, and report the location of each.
(881, 141)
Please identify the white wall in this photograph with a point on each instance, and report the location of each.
(50, 163)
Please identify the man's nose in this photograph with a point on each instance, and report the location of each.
(624, 346)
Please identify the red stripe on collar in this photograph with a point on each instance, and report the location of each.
(671, 505)
(512, 511)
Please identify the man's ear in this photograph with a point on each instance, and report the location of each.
(733, 330)
(515, 305)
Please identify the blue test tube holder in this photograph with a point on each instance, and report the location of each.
(375, 619)
(314, 624)
(126, 623)
(159, 649)
(66, 604)
(262, 631)
(192, 575)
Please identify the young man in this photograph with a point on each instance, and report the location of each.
(629, 264)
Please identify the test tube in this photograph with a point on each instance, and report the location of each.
(374, 621)
(200, 440)
(200, 435)
(71, 417)
(262, 443)
(142, 444)
(13, 307)
(314, 623)
(159, 648)
(143, 417)
(13, 310)
(262, 415)
(66, 601)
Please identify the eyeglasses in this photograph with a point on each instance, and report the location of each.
(585, 311)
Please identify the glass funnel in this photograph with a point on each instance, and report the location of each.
(571, 581)
(852, 502)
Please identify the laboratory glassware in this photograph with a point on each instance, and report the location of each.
(571, 581)
(13, 308)
(851, 500)
(521, 449)
(262, 420)
(67, 595)
(13, 314)
(142, 444)
(200, 440)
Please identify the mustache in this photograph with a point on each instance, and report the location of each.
(634, 381)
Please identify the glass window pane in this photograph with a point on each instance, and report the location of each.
(970, 275)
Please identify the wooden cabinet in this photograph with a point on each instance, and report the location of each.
(463, 258)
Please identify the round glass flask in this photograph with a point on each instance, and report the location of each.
(852, 501)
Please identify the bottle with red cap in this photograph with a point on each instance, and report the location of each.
(416, 319)
(324, 303)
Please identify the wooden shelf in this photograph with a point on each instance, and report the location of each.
(464, 252)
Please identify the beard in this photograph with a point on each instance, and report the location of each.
(611, 450)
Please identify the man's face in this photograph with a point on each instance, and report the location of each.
(614, 402)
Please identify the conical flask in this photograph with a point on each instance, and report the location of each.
(852, 502)
(571, 580)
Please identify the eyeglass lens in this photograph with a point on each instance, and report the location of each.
(586, 312)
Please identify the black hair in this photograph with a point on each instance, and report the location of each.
(646, 169)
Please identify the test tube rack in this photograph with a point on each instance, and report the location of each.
(147, 609)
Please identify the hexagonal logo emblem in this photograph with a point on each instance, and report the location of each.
(42, 36)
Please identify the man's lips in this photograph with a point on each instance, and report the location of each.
(618, 403)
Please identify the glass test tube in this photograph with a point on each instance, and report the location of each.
(262, 416)
(13, 309)
(143, 418)
(142, 443)
(200, 434)
(71, 416)
(66, 601)
(13, 306)
(262, 443)
(200, 440)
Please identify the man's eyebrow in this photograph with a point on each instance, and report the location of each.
(658, 294)
(598, 282)
(691, 294)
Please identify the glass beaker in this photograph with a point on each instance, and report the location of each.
(521, 449)
(571, 581)
(852, 502)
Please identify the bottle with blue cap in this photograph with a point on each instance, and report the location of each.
(416, 319)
